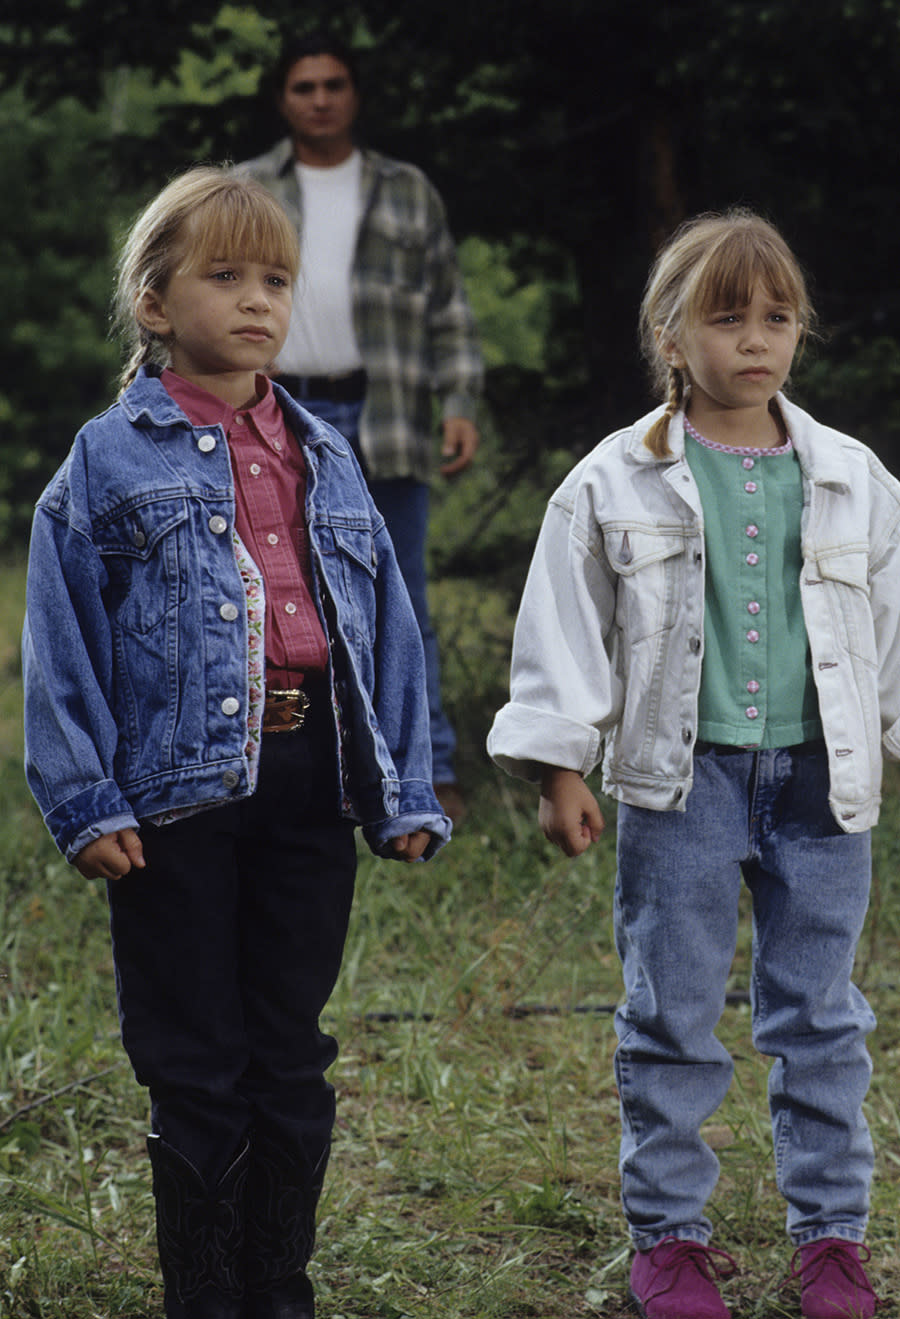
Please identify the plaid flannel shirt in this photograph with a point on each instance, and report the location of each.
(413, 323)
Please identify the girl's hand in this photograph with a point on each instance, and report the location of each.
(111, 856)
(409, 847)
(568, 813)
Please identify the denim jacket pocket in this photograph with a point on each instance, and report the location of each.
(144, 553)
(650, 568)
(350, 563)
(845, 576)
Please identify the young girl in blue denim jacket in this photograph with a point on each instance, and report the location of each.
(223, 675)
(713, 608)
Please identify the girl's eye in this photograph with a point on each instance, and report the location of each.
(224, 275)
(278, 281)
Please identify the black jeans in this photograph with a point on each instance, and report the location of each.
(227, 948)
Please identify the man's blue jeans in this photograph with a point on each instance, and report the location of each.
(762, 815)
(403, 504)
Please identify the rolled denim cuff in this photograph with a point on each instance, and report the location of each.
(380, 836)
(99, 830)
(69, 819)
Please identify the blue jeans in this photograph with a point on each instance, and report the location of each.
(403, 504)
(762, 815)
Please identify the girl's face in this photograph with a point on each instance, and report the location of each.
(223, 322)
(737, 358)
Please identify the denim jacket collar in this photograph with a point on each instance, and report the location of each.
(147, 403)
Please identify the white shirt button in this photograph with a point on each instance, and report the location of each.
(206, 443)
(272, 538)
(231, 705)
(228, 611)
(278, 445)
(290, 607)
(218, 524)
(255, 469)
(239, 420)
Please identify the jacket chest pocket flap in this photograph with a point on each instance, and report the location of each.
(396, 248)
(144, 553)
(650, 566)
(845, 575)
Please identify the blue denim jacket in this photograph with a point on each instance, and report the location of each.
(135, 659)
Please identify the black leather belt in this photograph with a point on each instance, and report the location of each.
(347, 388)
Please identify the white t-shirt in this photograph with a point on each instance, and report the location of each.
(321, 339)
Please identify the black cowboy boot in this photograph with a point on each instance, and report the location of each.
(200, 1234)
(282, 1194)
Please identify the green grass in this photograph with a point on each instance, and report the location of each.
(474, 1170)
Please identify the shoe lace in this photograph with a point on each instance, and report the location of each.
(809, 1262)
(707, 1260)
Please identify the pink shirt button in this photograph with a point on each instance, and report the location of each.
(752, 686)
(753, 635)
(748, 464)
(753, 559)
(752, 531)
(753, 607)
(750, 487)
(752, 712)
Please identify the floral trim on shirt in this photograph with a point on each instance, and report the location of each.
(778, 451)
(255, 597)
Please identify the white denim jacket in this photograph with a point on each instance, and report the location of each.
(608, 643)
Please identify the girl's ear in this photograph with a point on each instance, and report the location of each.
(669, 350)
(150, 312)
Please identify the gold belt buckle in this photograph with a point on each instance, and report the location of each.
(298, 713)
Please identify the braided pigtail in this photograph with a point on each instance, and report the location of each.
(657, 437)
(148, 348)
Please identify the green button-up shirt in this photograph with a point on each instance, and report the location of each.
(756, 686)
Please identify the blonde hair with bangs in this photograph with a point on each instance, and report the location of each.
(712, 263)
(207, 214)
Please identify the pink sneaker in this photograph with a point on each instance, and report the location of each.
(674, 1280)
(833, 1280)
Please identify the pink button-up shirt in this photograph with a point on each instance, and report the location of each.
(270, 496)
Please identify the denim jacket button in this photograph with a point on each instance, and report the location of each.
(231, 705)
(218, 524)
(206, 443)
(228, 611)
(230, 779)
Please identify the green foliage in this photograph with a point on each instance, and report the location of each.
(54, 258)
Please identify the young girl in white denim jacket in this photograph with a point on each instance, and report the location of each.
(216, 619)
(713, 608)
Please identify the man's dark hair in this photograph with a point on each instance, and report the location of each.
(296, 48)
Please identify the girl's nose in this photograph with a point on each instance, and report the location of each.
(257, 297)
